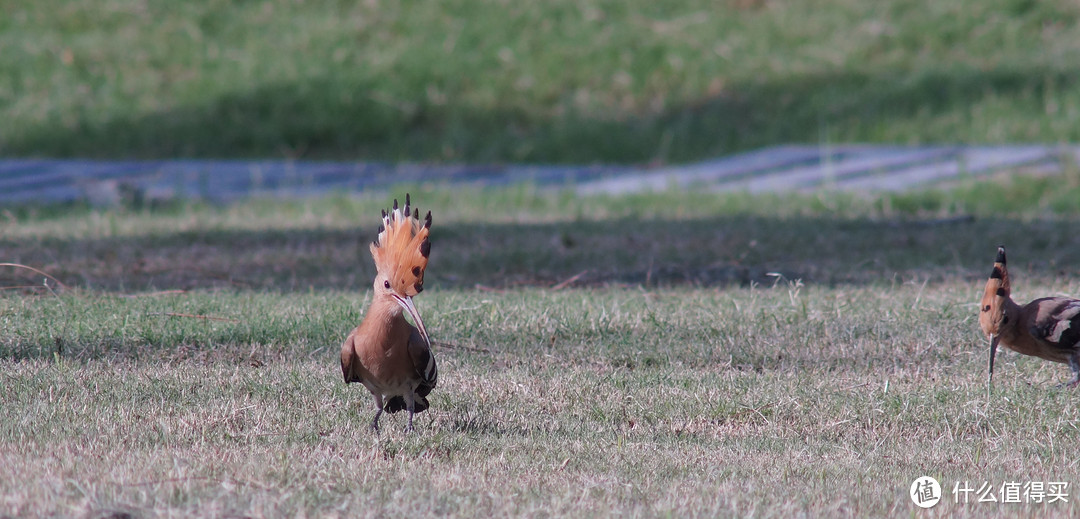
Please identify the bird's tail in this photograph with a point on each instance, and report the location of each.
(397, 403)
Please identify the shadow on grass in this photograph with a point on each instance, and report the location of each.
(723, 251)
(340, 117)
(717, 252)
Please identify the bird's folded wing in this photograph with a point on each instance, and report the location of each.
(423, 361)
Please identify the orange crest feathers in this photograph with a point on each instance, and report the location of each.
(992, 307)
(401, 249)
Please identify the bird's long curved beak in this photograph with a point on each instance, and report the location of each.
(993, 351)
(407, 303)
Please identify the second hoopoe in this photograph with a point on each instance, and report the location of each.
(386, 354)
(1048, 328)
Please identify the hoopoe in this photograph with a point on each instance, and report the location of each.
(1048, 328)
(386, 354)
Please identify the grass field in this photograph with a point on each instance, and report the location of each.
(630, 81)
(786, 356)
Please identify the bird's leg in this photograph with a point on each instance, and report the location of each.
(1074, 363)
(378, 413)
(410, 404)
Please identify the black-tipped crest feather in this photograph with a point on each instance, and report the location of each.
(401, 249)
(995, 296)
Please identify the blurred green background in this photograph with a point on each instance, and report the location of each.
(560, 81)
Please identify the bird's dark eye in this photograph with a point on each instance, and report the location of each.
(386, 284)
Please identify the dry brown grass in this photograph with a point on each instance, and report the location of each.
(698, 402)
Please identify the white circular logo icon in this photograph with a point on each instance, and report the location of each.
(925, 492)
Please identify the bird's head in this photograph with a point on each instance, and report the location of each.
(992, 314)
(401, 252)
(994, 307)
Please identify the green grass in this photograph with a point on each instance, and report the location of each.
(565, 81)
(684, 380)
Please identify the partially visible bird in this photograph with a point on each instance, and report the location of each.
(1048, 328)
(388, 355)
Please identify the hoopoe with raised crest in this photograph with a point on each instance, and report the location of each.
(388, 355)
(1048, 328)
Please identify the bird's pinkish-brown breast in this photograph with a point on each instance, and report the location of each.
(381, 345)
